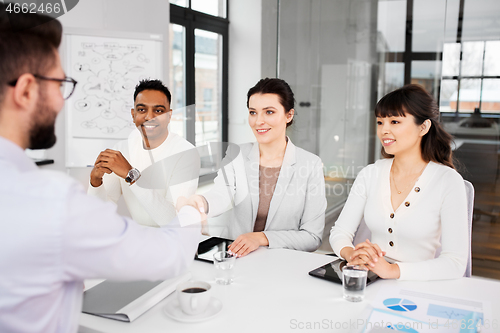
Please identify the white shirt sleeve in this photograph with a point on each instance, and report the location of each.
(342, 233)
(110, 189)
(179, 175)
(98, 243)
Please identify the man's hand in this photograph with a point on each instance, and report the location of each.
(109, 161)
(247, 243)
(198, 202)
(96, 175)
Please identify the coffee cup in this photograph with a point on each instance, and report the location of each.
(194, 296)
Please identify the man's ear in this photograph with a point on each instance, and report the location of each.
(425, 127)
(25, 91)
(132, 113)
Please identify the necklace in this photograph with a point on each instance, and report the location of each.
(414, 179)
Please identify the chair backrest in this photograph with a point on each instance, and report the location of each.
(363, 232)
(470, 210)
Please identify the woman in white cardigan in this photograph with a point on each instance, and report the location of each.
(413, 201)
(274, 191)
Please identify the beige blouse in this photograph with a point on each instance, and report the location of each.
(268, 177)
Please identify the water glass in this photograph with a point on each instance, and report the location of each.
(224, 267)
(354, 282)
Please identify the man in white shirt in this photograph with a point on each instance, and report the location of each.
(52, 235)
(154, 167)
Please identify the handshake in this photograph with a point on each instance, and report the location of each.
(200, 203)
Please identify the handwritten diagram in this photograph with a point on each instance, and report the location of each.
(107, 71)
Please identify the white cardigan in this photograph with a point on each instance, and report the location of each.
(167, 172)
(296, 217)
(434, 214)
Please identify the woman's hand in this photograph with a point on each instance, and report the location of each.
(385, 270)
(365, 253)
(372, 257)
(247, 243)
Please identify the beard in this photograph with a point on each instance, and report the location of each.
(42, 133)
(42, 137)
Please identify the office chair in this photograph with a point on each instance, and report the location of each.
(363, 232)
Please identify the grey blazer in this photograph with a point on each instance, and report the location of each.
(296, 217)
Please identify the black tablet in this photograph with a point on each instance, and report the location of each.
(208, 247)
(333, 272)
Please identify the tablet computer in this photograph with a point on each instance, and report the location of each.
(208, 247)
(333, 272)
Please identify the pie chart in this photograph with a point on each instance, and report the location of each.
(400, 304)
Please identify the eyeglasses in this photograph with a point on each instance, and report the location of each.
(67, 84)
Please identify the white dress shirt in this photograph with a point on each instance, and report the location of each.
(433, 214)
(53, 236)
(169, 171)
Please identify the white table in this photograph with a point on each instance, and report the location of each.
(274, 293)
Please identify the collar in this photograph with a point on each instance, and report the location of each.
(288, 159)
(11, 152)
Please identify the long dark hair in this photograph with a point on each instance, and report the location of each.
(278, 87)
(413, 99)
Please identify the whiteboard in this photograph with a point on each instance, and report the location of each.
(107, 69)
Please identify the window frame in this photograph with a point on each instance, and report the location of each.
(191, 19)
(460, 77)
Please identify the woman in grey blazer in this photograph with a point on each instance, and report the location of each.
(274, 191)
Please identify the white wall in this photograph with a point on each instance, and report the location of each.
(245, 17)
(151, 16)
(148, 16)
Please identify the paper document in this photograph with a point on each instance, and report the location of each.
(416, 312)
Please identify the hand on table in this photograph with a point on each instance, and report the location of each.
(247, 243)
(109, 161)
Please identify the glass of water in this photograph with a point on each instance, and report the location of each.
(224, 267)
(354, 282)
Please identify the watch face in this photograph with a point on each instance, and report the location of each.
(133, 175)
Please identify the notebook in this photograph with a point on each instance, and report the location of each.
(126, 301)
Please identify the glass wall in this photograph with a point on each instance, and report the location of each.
(470, 109)
(328, 54)
(340, 57)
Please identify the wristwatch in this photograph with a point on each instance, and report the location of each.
(133, 176)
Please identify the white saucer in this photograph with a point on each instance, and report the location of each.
(174, 311)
